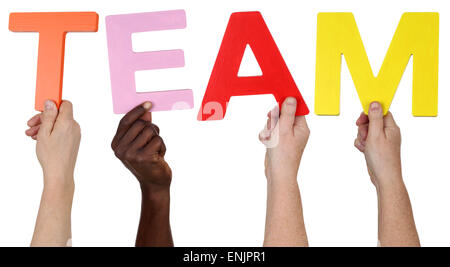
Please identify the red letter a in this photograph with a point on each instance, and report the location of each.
(248, 28)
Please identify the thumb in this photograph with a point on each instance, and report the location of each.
(48, 118)
(376, 126)
(148, 115)
(287, 117)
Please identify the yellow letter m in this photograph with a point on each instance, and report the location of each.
(417, 35)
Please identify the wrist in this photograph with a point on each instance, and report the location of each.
(391, 184)
(59, 183)
(155, 193)
(278, 181)
(57, 197)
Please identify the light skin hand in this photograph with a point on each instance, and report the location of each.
(381, 146)
(139, 146)
(58, 139)
(286, 137)
(379, 139)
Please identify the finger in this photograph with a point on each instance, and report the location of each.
(264, 135)
(268, 124)
(34, 137)
(376, 125)
(363, 119)
(261, 136)
(155, 146)
(65, 111)
(163, 149)
(155, 127)
(147, 117)
(132, 133)
(48, 118)
(269, 119)
(128, 120)
(36, 120)
(275, 109)
(389, 121)
(274, 117)
(359, 146)
(143, 138)
(32, 131)
(287, 117)
(363, 132)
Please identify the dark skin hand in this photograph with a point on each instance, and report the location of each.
(140, 148)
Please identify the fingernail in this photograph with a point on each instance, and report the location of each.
(49, 105)
(147, 105)
(375, 107)
(292, 101)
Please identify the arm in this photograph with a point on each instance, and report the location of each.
(58, 139)
(395, 217)
(53, 223)
(285, 226)
(154, 226)
(285, 137)
(379, 139)
(140, 148)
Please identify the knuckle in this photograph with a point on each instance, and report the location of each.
(71, 127)
(159, 141)
(153, 158)
(148, 131)
(140, 159)
(307, 131)
(119, 154)
(156, 128)
(129, 156)
(76, 127)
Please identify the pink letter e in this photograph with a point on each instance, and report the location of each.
(124, 62)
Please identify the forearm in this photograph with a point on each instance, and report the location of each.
(53, 223)
(154, 226)
(285, 226)
(395, 218)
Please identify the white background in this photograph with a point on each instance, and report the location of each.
(219, 188)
